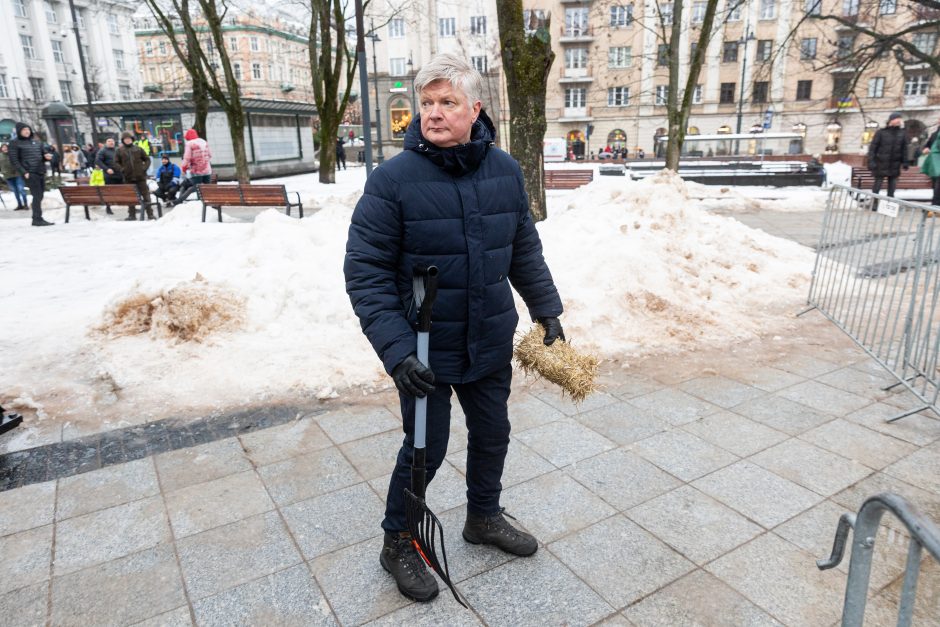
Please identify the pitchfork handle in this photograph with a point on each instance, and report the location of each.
(424, 282)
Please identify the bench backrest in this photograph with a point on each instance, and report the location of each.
(100, 194)
(220, 194)
(81, 195)
(243, 195)
(119, 194)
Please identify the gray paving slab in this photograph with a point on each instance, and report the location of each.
(615, 620)
(544, 506)
(374, 456)
(446, 490)
(109, 534)
(179, 617)
(198, 464)
(308, 475)
(522, 463)
(26, 556)
(119, 592)
(682, 454)
(804, 365)
(852, 498)
(782, 414)
(766, 378)
(288, 597)
(824, 398)
(674, 406)
(225, 557)
(632, 385)
(25, 607)
(864, 384)
(759, 494)
(267, 446)
(468, 560)
(735, 433)
(527, 411)
(810, 466)
(329, 522)
(920, 429)
(858, 443)
(721, 391)
(106, 487)
(564, 404)
(565, 442)
(623, 422)
(535, 591)
(697, 526)
(921, 469)
(699, 598)
(27, 507)
(353, 423)
(444, 610)
(623, 549)
(622, 478)
(202, 506)
(783, 580)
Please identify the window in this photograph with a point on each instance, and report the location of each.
(888, 7)
(666, 11)
(917, 85)
(734, 10)
(768, 9)
(698, 12)
(162, 48)
(808, 49)
(729, 52)
(661, 95)
(804, 89)
(237, 71)
(759, 93)
(256, 71)
(396, 28)
(576, 22)
(253, 44)
(27, 42)
(576, 58)
(113, 27)
(726, 94)
(697, 95)
(849, 7)
(813, 7)
(447, 26)
(841, 87)
(478, 25)
(575, 98)
(621, 16)
(148, 48)
(19, 8)
(765, 49)
(662, 55)
(118, 59)
(844, 46)
(39, 88)
(125, 91)
(619, 57)
(479, 64)
(397, 66)
(81, 18)
(925, 42)
(533, 20)
(51, 16)
(57, 54)
(233, 44)
(876, 87)
(618, 96)
(4, 92)
(66, 88)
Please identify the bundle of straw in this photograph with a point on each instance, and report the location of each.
(560, 363)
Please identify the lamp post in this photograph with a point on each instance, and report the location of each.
(743, 41)
(81, 62)
(375, 82)
(363, 85)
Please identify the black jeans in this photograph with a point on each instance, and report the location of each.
(936, 191)
(892, 185)
(37, 188)
(195, 179)
(484, 404)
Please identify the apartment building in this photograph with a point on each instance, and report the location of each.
(39, 60)
(611, 74)
(267, 48)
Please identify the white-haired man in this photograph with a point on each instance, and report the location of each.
(453, 200)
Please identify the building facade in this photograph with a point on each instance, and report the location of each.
(764, 69)
(39, 60)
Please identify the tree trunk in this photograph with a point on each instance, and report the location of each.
(201, 103)
(236, 122)
(329, 126)
(527, 60)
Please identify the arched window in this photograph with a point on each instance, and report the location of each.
(399, 112)
(617, 139)
(575, 143)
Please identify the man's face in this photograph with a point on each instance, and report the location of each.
(895, 122)
(446, 114)
(127, 141)
(109, 142)
(26, 132)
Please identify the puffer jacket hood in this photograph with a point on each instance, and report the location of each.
(20, 126)
(191, 134)
(127, 135)
(455, 160)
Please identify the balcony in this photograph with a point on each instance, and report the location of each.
(576, 114)
(919, 101)
(153, 89)
(575, 75)
(842, 103)
(575, 34)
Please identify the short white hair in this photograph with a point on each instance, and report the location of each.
(451, 68)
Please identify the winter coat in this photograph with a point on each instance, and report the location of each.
(932, 139)
(888, 151)
(197, 157)
(49, 149)
(340, 151)
(169, 175)
(133, 163)
(463, 209)
(26, 154)
(70, 161)
(107, 160)
(6, 167)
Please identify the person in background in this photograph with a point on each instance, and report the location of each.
(13, 179)
(134, 163)
(70, 160)
(197, 160)
(29, 161)
(168, 180)
(144, 144)
(340, 153)
(106, 160)
(82, 160)
(53, 160)
(933, 145)
(641, 154)
(887, 154)
(90, 153)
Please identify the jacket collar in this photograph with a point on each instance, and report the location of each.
(455, 160)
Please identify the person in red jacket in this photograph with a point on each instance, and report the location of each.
(197, 160)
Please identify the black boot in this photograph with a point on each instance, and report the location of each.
(131, 217)
(400, 558)
(41, 222)
(497, 531)
(21, 208)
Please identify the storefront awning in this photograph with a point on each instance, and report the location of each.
(185, 105)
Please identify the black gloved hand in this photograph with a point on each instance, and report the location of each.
(413, 378)
(905, 166)
(553, 330)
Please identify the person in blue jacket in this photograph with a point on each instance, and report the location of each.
(168, 180)
(454, 200)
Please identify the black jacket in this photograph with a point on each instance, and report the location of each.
(888, 151)
(26, 154)
(932, 139)
(107, 159)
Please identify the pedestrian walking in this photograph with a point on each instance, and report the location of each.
(133, 164)
(13, 178)
(340, 153)
(106, 161)
(197, 160)
(29, 161)
(454, 200)
(168, 180)
(887, 154)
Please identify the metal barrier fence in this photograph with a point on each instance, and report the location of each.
(923, 534)
(877, 278)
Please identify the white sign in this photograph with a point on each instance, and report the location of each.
(887, 208)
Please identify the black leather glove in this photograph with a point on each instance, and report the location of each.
(553, 330)
(413, 378)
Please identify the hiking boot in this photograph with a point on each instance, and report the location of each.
(497, 531)
(21, 208)
(41, 222)
(401, 560)
(130, 218)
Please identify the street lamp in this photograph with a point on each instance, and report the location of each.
(375, 82)
(743, 41)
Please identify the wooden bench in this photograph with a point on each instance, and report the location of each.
(912, 178)
(238, 195)
(106, 196)
(567, 179)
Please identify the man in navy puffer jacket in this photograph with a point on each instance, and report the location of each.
(453, 200)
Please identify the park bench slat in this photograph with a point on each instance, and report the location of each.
(97, 195)
(218, 196)
(567, 179)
